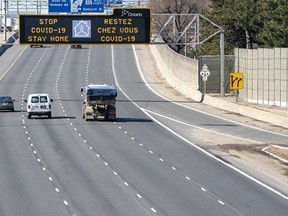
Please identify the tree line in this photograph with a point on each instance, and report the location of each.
(247, 23)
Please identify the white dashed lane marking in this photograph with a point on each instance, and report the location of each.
(84, 140)
(29, 138)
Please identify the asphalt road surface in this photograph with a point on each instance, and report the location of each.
(141, 164)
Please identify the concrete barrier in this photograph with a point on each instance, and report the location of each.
(179, 71)
(275, 118)
(182, 74)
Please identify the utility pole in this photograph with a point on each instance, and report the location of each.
(222, 65)
(5, 19)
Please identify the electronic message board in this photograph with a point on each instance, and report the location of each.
(124, 26)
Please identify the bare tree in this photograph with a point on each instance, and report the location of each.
(177, 8)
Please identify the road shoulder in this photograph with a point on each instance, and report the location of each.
(249, 157)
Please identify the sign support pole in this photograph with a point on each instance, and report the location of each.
(222, 66)
(5, 19)
(205, 87)
(204, 73)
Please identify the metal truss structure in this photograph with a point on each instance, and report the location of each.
(176, 29)
(185, 30)
(180, 29)
(24, 6)
(39, 6)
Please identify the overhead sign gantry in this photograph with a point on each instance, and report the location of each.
(124, 26)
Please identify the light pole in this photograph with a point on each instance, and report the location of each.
(5, 19)
(222, 64)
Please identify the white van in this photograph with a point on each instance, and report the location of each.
(39, 104)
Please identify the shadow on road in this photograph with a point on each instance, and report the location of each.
(10, 41)
(133, 120)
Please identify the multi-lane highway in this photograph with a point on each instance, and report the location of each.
(144, 163)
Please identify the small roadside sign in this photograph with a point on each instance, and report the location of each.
(204, 72)
(236, 81)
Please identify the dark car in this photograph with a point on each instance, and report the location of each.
(36, 45)
(76, 46)
(6, 103)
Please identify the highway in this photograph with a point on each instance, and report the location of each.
(144, 163)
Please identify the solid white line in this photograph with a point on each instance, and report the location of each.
(217, 159)
(222, 203)
(190, 108)
(184, 139)
(203, 189)
(273, 155)
(197, 147)
(200, 128)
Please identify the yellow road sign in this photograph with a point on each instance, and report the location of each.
(236, 80)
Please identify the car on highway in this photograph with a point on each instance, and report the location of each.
(76, 46)
(36, 45)
(6, 103)
(39, 104)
